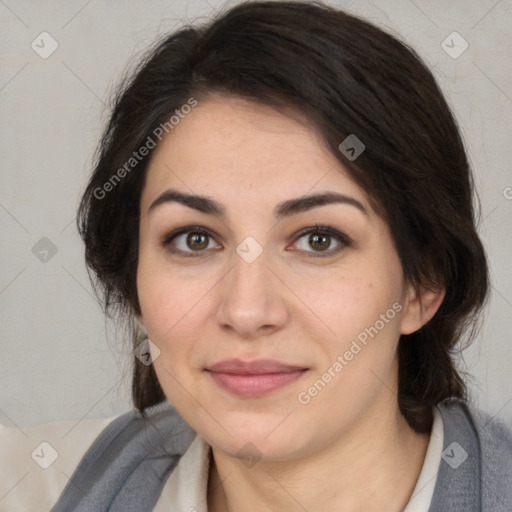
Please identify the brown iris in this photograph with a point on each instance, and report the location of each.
(198, 241)
(320, 242)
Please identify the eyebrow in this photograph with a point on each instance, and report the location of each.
(284, 209)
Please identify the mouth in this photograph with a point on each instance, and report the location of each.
(254, 378)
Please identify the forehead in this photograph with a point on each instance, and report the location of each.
(237, 149)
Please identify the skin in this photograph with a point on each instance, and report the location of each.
(349, 448)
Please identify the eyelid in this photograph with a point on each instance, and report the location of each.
(342, 238)
(183, 230)
(169, 238)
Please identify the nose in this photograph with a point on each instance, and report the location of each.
(252, 299)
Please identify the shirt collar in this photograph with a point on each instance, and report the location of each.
(186, 489)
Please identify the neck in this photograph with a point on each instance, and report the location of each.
(373, 467)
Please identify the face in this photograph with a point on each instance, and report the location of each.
(315, 286)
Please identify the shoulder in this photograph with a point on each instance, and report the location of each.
(485, 442)
(157, 430)
(494, 435)
(128, 462)
(496, 460)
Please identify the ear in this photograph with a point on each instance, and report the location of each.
(420, 306)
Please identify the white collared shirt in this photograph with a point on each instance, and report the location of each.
(186, 488)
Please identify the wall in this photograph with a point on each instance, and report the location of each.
(60, 360)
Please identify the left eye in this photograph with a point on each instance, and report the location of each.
(320, 239)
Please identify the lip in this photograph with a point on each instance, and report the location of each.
(254, 378)
(260, 366)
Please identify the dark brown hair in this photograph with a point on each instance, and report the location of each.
(347, 77)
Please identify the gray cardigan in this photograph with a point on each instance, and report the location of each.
(127, 466)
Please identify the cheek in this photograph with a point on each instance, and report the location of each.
(170, 312)
(357, 367)
(349, 300)
(362, 310)
(168, 300)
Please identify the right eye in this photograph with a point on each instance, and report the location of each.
(187, 241)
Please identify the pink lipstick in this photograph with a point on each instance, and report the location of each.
(254, 378)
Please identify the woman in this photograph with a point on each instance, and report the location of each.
(282, 207)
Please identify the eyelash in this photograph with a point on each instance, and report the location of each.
(343, 239)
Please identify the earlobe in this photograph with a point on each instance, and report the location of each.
(421, 306)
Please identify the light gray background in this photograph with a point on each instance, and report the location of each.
(57, 361)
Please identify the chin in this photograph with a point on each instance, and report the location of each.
(268, 440)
